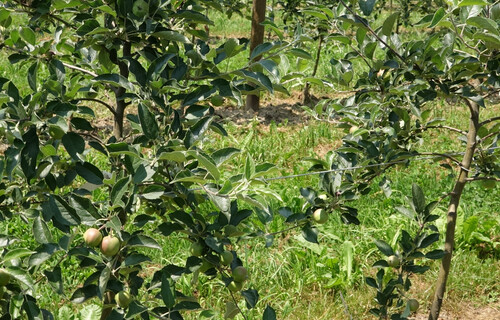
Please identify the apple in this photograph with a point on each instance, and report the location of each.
(196, 249)
(217, 100)
(240, 274)
(56, 132)
(353, 129)
(226, 258)
(393, 261)
(123, 299)
(140, 8)
(4, 277)
(92, 237)
(320, 216)
(110, 246)
(235, 286)
(413, 303)
(205, 265)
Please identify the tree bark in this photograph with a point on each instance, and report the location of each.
(452, 211)
(121, 105)
(306, 96)
(256, 38)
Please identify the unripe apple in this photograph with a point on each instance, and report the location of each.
(92, 237)
(4, 277)
(235, 286)
(413, 303)
(123, 299)
(205, 265)
(393, 261)
(320, 216)
(196, 249)
(110, 246)
(353, 129)
(140, 8)
(226, 258)
(240, 274)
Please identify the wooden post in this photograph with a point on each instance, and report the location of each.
(256, 38)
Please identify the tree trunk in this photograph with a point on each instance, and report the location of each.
(452, 211)
(121, 105)
(256, 38)
(306, 95)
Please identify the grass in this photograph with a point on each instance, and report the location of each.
(303, 280)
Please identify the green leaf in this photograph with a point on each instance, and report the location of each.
(22, 276)
(261, 49)
(300, 53)
(176, 156)
(89, 172)
(74, 144)
(435, 254)
(430, 239)
(491, 40)
(207, 163)
(83, 294)
(115, 80)
(222, 155)
(310, 233)
(41, 231)
(29, 153)
(55, 279)
(90, 312)
(143, 241)
(389, 24)
(484, 23)
(418, 198)
(231, 310)
(249, 167)
(367, 6)
(148, 122)
(166, 292)
(170, 35)
(119, 189)
(28, 35)
(269, 313)
(251, 297)
(16, 254)
(384, 247)
(438, 16)
(32, 72)
(135, 259)
(473, 3)
(103, 280)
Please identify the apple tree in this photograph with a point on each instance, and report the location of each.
(386, 120)
(150, 66)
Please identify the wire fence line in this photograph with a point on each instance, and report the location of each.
(416, 157)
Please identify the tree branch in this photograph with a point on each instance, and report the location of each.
(108, 106)
(70, 66)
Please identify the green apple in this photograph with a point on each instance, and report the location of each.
(196, 249)
(92, 237)
(226, 258)
(123, 299)
(320, 216)
(110, 246)
(235, 286)
(393, 261)
(240, 274)
(217, 100)
(413, 303)
(140, 8)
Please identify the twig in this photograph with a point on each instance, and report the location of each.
(70, 66)
(448, 128)
(238, 307)
(110, 108)
(489, 120)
